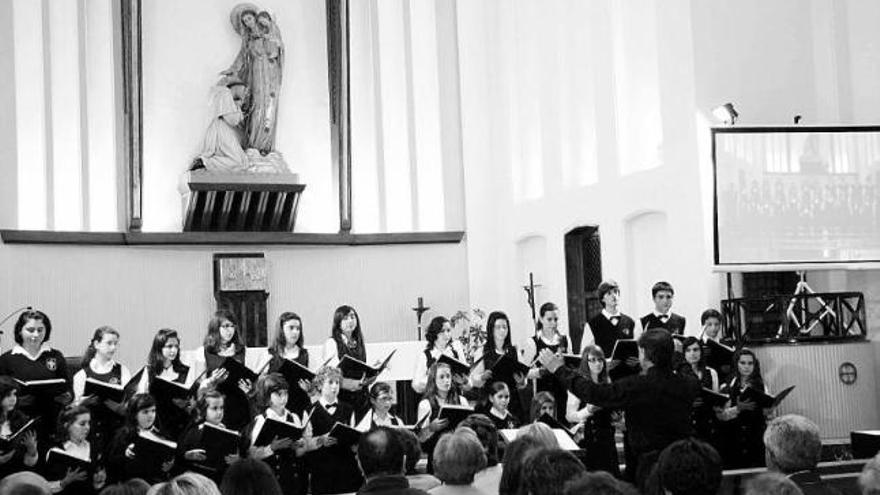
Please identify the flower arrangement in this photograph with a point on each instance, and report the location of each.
(470, 326)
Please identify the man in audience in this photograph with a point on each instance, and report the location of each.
(488, 479)
(458, 456)
(687, 467)
(24, 483)
(413, 452)
(547, 471)
(380, 456)
(771, 484)
(869, 481)
(793, 447)
(657, 403)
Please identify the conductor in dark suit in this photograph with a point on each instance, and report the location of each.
(657, 402)
(662, 316)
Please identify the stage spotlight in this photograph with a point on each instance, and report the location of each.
(726, 113)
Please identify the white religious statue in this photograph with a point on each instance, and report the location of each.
(240, 135)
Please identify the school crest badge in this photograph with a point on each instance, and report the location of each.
(113, 381)
(51, 364)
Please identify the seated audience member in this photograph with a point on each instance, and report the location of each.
(771, 484)
(457, 458)
(134, 486)
(792, 447)
(486, 480)
(413, 453)
(188, 484)
(540, 432)
(548, 470)
(249, 477)
(24, 483)
(380, 455)
(686, 467)
(869, 481)
(598, 483)
(515, 456)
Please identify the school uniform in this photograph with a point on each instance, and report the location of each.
(506, 422)
(237, 405)
(334, 351)
(742, 432)
(105, 422)
(673, 322)
(121, 468)
(604, 330)
(333, 468)
(20, 461)
(172, 420)
(289, 470)
(370, 421)
(546, 382)
(516, 401)
(703, 418)
(600, 449)
(48, 364)
(433, 407)
(427, 359)
(298, 400)
(86, 451)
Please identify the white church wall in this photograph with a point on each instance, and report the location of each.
(139, 290)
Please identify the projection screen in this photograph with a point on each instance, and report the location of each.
(796, 195)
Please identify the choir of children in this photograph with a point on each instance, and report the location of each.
(173, 417)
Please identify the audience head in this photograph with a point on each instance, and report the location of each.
(657, 347)
(497, 328)
(189, 484)
(289, 330)
(515, 455)
(869, 480)
(593, 363)
(688, 467)
(249, 476)
(24, 483)
(542, 402)
(412, 449)
(547, 471)
(540, 432)
(380, 452)
(166, 347)
(222, 332)
(548, 317)
(610, 289)
(107, 338)
(598, 483)
(134, 486)
(272, 384)
(33, 323)
(771, 483)
(439, 332)
(792, 444)
(486, 432)
(458, 456)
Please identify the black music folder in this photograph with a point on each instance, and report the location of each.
(455, 414)
(344, 434)
(763, 400)
(218, 442)
(355, 369)
(273, 428)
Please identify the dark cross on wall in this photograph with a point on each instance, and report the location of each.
(530, 294)
(420, 309)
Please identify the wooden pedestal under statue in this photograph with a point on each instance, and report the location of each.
(236, 202)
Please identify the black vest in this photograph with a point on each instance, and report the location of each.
(605, 334)
(430, 359)
(675, 323)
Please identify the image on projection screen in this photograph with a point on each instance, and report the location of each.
(797, 197)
